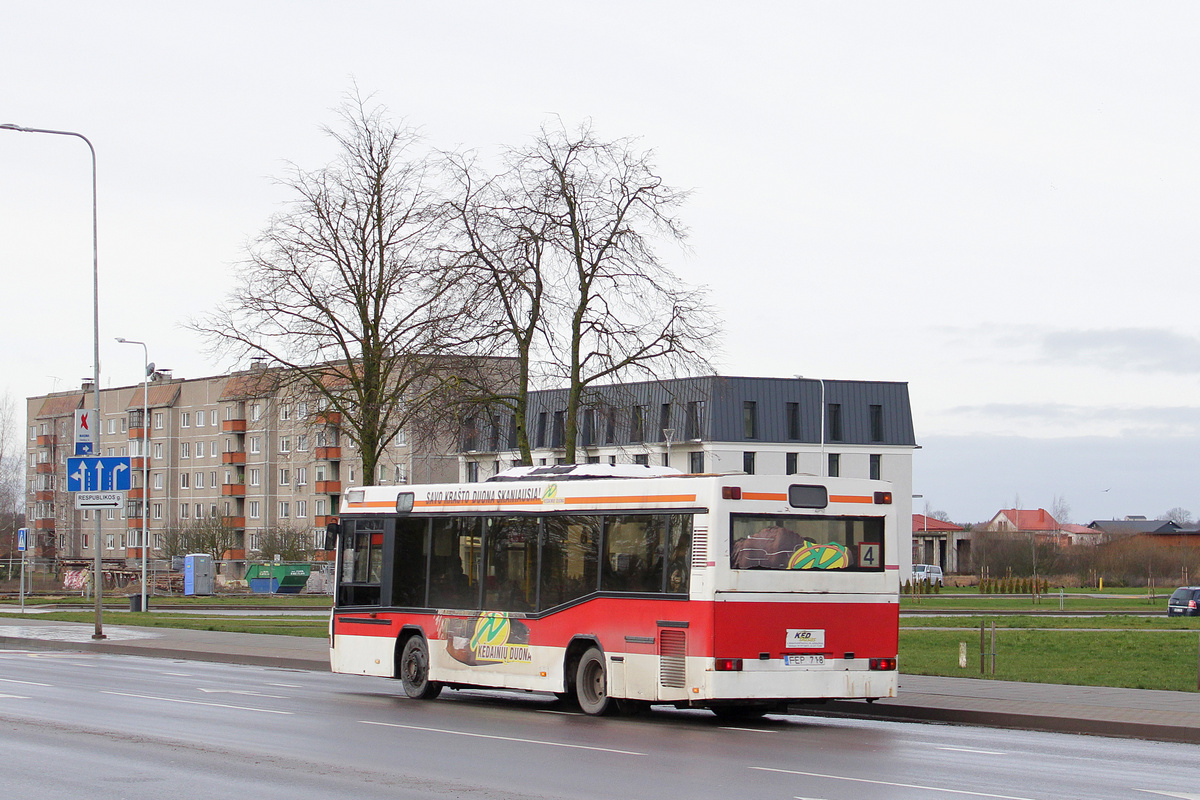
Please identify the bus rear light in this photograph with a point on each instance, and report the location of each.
(729, 665)
(883, 498)
(731, 493)
(883, 663)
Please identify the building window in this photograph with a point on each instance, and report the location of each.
(750, 419)
(472, 472)
(285, 444)
(664, 421)
(185, 419)
(199, 448)
(158, 480)
(255, 477)
(587, 428)
(351, 475)
(156, 511)
(252, 509)
(590, 460)
(255, 412)
(835, 465)
(199, 480)
(158, 420)
(637, 424)
(301, 476)
(184, 510)
(876, 423)
(285, 477)
(184, 479)
(612, 461)
(255, 444)
(302, 442)
(185, 449)
(284, 509)
(319, 472)
(558, 432)
(302, 508)
(199, 511)
(200, 419)
(791, 467)
(642, 459)
(833, 421)
(876, 466)
(793, 421)
(695, 420)
(748, 462)
(158, 450)
(319, 508)
(285, 412)
(696, 462)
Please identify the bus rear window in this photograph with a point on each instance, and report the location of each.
(787, 542)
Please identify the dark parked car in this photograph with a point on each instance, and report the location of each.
(1184, 602)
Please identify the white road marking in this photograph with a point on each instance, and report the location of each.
(178, 674)
(241, 691)
(197, 703)
(27, 683)
(286, 685)
(751, 730)
(14, 697)
(973, 750)
(890, 783)
(1172, 794)
(564, 713)
(502, 738)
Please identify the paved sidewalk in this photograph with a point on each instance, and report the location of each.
(1136, 713)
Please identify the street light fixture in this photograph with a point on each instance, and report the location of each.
(148, 369)
(97, 581)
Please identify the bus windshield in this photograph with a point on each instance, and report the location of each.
(784, 541)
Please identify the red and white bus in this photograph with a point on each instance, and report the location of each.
(738, 593)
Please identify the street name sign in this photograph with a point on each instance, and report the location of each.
(108, 474)
(85, 431)
(86, 500)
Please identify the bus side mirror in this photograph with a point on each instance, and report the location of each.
(332, 531)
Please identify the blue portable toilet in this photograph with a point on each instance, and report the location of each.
(198, 574)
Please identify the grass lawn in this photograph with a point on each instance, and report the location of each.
(281, 625)
(1135, 659)
(997, 604)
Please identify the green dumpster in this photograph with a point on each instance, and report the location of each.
(278, 578)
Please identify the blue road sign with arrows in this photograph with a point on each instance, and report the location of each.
(109, 474)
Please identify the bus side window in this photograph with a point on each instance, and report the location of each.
(633, 553)
(408, 563)
(362, 563)
(454, 563)
(570, 550)
(679, 548)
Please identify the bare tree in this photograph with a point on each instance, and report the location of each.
(287, 543)
(211, 536)
(343, 291)
(1178, 515)
(1060, 509)
(596, 209)
(12, 461)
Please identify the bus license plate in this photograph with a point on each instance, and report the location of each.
(804, 661)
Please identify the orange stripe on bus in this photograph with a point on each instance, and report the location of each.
(763, 496)
(654, 498)
(851, 498)
(534, 501)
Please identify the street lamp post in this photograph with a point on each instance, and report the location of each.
(147, 369)
(97, 581)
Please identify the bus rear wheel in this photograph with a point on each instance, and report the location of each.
(414, 670)
(591, 684)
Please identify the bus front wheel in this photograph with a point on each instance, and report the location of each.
(414, 671)
(591, 684)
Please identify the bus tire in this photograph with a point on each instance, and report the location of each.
(740, 713)
(414, 670)
(591, 684)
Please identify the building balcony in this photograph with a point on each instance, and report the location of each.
(44, 496)
(238, 554)
(43, 525)
(45, 468)
(46, 440)
(233, 490)
(134, 523)
(234, 457)
(321, 522)
(324, 555)
(136, 433)
(133, 552)
(233, 426)
(329, 418)
(234, 522)
(328, 453)
(137, 462)
(135, 494)
(329, 487)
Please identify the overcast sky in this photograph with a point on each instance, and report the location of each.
(995, 203)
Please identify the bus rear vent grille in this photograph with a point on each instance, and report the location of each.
(672, 658)
(699, 548)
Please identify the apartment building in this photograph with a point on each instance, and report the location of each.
(229, 447)
(781, 426)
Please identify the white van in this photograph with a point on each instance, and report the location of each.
(929, 572)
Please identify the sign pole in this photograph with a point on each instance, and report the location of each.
(22, 540)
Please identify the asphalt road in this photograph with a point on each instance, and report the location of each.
(90, 725)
